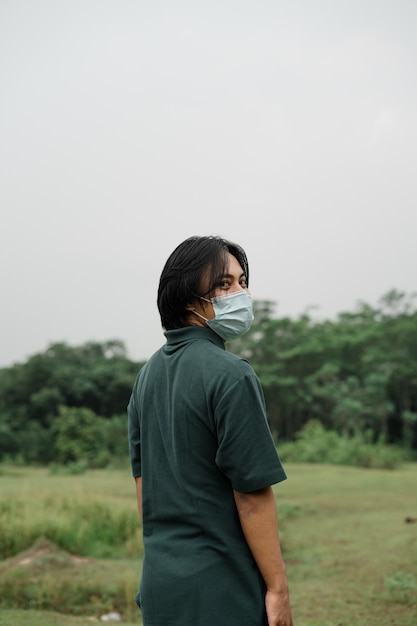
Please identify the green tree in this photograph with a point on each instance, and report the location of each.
(355, 374)
(78, 435)
(96, 376)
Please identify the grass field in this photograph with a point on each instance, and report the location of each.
(351, 557)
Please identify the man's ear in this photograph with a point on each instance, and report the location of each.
(190, 306)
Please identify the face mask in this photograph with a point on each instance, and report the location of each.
(233, 314)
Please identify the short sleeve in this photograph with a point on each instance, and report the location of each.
(134, 437)
(246, 452)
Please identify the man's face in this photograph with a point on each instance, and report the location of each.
(233, 280)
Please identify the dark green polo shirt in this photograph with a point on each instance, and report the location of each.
(198, 430)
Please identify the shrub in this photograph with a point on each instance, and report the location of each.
(315, 444)
(78, 435)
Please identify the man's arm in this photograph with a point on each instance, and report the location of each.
(138, 480)
(258, 517)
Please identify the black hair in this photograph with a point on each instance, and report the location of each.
(196, 264)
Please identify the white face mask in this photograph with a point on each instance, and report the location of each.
(233, 314)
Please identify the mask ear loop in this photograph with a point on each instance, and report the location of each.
(200, 297)
(199, 315)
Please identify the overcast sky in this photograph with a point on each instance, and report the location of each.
(289, 126)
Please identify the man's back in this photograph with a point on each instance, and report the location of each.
(199, 413)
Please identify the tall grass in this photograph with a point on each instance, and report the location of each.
(71, 512)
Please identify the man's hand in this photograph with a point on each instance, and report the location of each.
(278, 609)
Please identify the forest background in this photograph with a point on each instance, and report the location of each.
(341, 391)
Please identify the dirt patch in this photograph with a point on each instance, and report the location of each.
(44, 550)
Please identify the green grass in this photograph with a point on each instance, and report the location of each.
(351, 558)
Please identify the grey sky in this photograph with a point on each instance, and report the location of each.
(288, 126)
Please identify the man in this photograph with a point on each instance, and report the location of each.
(203, 457)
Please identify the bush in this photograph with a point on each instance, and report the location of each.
(9, 441)
(78, 435)
(315, 444)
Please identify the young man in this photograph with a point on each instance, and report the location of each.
(203, 457)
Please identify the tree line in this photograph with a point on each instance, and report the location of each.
(66, 404)
(355, 374)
